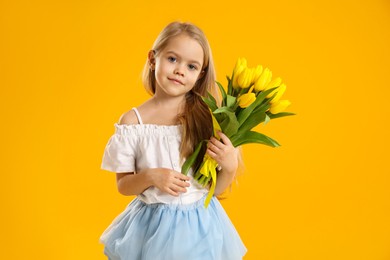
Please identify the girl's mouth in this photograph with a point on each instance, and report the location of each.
(176, 81)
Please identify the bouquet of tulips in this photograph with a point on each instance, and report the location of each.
(252, 97)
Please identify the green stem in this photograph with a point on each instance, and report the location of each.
(201, 180)
(197, 175)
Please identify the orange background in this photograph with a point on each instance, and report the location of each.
(69, 69)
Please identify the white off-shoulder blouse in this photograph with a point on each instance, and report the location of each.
(135, 147)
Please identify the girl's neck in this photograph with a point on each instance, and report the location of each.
(169, 103)
(162, 111)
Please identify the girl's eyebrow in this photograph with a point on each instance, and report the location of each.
(191, 61)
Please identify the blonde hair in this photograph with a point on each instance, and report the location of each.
(196, 118)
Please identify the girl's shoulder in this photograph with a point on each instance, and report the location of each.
(130, 124)
(128, 118)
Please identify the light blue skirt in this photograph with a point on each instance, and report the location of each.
(164, 231)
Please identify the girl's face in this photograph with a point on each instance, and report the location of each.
(178, 66)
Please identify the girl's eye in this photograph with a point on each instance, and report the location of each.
(192, 67)
(171, 59)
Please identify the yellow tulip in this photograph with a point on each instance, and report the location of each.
(209, 168)
(279, 106)
(274, 83)
(257, 73)
(240, 66)
(263, 80)
(246, 100)
(245, 78)
(280, 91)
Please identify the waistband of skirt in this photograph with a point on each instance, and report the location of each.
(178, 206)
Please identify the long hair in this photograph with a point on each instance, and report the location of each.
(196, 118)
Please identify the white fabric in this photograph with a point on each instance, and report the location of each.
(135, 147)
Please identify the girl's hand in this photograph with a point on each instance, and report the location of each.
(169, 181)
(223, 152)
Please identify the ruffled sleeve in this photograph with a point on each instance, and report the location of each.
(119, 153)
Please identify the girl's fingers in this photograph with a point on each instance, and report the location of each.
(173, 193)
(174, 190)
(225, 139)
(212, 154)
(181, 183)
(172, 182)
(213, 147)
(178, 188)
(181, 176)
(216, 143)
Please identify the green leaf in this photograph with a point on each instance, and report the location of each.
(281, 114)
(222, 110)
(223, 93)
(211, 98)
(211, 103)
(245, 113)
(230, 87)
(230, 101)
(229, 123)
(219, 117)
(253, 137)
(267, 119)
(197, 174)
(191, 159)
(255, 118)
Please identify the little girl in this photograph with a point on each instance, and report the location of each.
(167, 219)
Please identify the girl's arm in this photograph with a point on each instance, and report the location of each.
(224, 180)
(166, 180)
(227, 157)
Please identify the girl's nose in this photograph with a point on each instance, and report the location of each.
(179, 70)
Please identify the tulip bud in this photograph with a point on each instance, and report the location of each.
(240, 66)
(246, 100)
(245, 78)
(274, 83)
(263, 80)
(244, 62)
(279, 106)
(280, 91)
(257, 73)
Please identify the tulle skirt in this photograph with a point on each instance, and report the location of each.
(172, 232)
